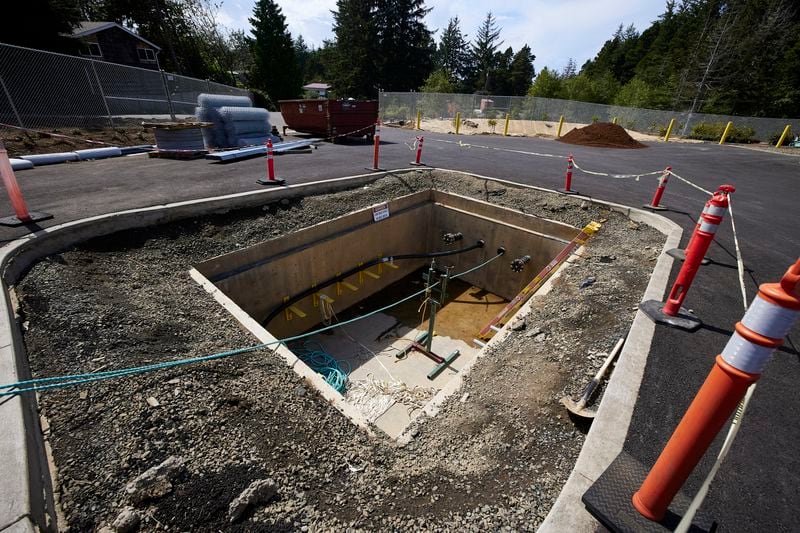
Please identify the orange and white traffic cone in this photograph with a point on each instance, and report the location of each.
(271, 179)
(670, 312)
(709, 208)
(568, 178)
(416, 161)
(769, 319)
(21, 214)
(655, 204)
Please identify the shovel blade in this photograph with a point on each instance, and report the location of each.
(573, 408)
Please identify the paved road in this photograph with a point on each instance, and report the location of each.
(758, 487)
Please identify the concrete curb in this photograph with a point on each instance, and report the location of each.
(27, 503)
(609, 429)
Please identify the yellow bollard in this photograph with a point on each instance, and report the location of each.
(614, 120)
(785, 134)
(458, 121)
(560, 125)
(669, 130)
(419, 119)
(505, 129)
(725, 133)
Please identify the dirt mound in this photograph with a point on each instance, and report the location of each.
(603, 135)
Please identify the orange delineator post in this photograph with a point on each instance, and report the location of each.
(271, 179)
(416, 161)
(21, 214)
(12, 187)
(568, 178)
(662, 184)
(769, 319)
(698, 246)
(376, 152)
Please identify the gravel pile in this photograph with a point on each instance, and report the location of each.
(243, 444)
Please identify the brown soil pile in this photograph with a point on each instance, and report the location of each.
(603, 135)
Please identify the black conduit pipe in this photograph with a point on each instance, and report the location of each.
(385, 259)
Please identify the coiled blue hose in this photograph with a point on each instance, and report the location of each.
(314, 355)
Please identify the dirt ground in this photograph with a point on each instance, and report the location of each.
(495, 457)
(20, 143)
(523, 128)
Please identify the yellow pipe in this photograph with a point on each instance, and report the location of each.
(785, 134)
(669, 130)
(419, 119)
(725, 133)
(458, 121)
(505, 128)
(614, 120)
(560, 125)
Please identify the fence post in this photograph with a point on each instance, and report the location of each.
(166, 93)
(669, 130)
(102, 94)
(11, 103)
(785, 134)
(208, 85)
(560, 125)
(725, 133)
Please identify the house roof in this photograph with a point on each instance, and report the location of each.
(317, 86)
(87, 27)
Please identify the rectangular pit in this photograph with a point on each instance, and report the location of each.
(384, 389)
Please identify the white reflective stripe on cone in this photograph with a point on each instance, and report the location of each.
(746, 356)
(715, 210)
(768, 319)
(708, 227)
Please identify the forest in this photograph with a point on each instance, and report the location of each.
(739, 57)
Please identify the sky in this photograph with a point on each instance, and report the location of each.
(555, 30)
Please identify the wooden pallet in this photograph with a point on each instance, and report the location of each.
(178, 154)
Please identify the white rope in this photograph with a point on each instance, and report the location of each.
(616, 176)
(467, 146)
(699, 188)
(686, 521)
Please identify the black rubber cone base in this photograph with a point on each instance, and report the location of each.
(262, 181)
(655, 207)
(567, 191)
(14, 221)
(680, 255)
(684, 320)
(609, 501)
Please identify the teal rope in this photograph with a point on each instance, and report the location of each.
(314, 355)
(58, 382)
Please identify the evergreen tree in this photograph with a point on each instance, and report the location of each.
(353, 61)
(522, 71)
(547, 84)
(275, 70)
(452, 55)
(406, 46)
(483, 53)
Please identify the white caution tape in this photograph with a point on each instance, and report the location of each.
(468, 146)
(699, 188)
(739, 260)
(617, 176)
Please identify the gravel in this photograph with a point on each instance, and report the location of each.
(495, 457)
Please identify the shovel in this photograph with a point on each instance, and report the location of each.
(579, 408)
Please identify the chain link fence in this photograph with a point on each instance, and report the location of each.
(530, 115)
(41, 90)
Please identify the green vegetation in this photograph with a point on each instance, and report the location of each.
(712, 131)
(738, 57)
